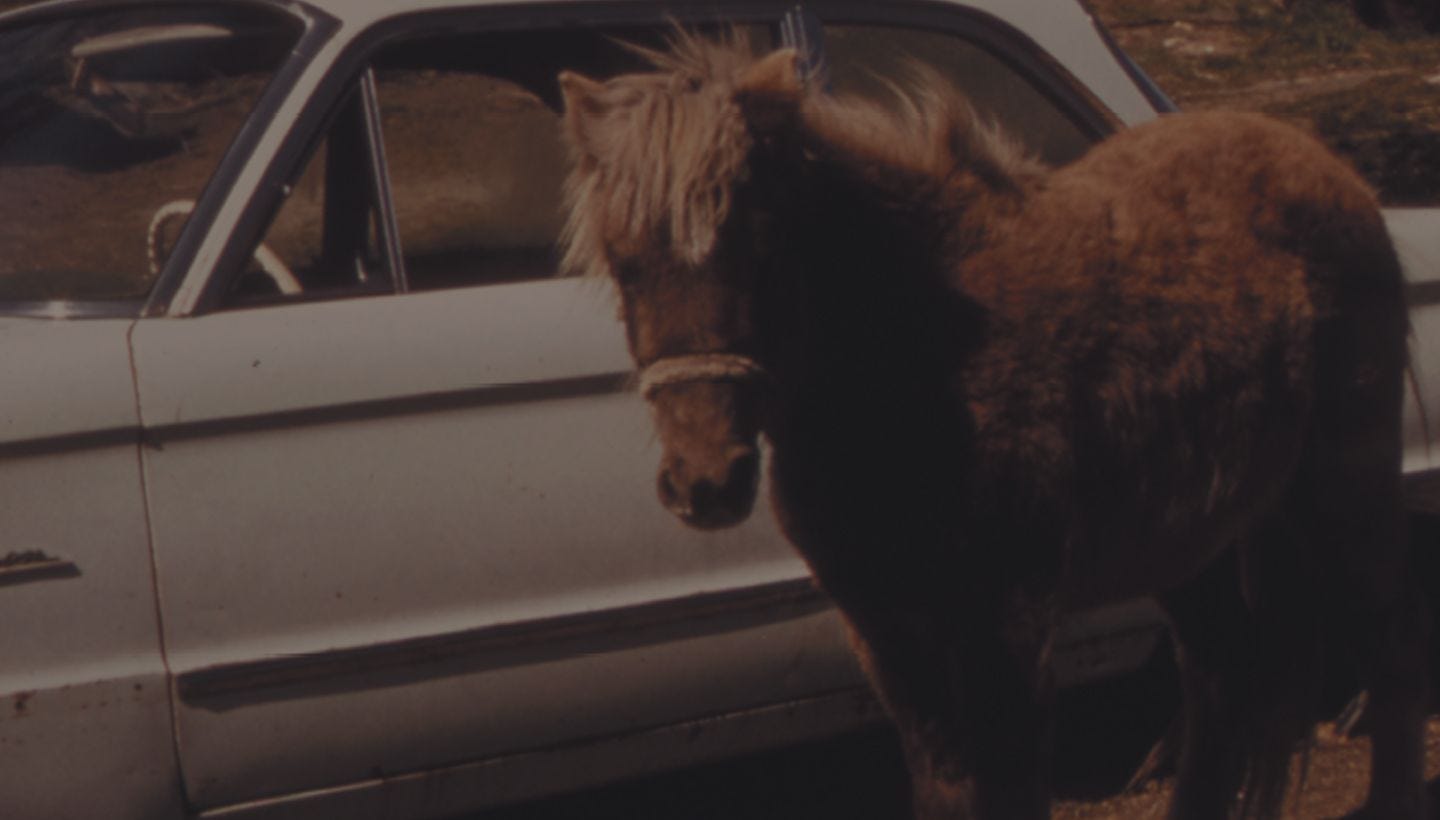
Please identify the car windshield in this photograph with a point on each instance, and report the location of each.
(110, 126)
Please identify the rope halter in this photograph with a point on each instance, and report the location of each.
(698, 367)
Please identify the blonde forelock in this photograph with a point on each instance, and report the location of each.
(660, 160)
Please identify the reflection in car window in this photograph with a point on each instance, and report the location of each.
(864, 59)
(110, 125)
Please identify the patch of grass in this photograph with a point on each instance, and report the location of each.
(1314, 30)
(1389, 128)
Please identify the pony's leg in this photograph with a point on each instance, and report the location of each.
(1210, 632)
(1247, 666)
(1377, 611)
(974, 710)
(1352, 494)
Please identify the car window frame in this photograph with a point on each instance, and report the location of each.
(1004, 42)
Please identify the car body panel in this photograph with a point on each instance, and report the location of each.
(84, 696)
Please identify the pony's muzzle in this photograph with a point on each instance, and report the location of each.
(720, 495)
(706, 410)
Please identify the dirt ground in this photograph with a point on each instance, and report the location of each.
(1373, 96)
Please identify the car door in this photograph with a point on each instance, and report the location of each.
(401, 493)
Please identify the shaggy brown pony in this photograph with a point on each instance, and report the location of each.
(996, 392)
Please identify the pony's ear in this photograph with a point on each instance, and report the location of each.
(769, 91)
(583, 105)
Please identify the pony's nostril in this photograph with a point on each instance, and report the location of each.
(704, 495)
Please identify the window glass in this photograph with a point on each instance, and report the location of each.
(476, 166)
(110, 125)
(866, 59)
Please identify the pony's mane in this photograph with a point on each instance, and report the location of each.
(673, 142)
(926, 134)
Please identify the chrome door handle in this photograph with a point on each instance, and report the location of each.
(34, 565)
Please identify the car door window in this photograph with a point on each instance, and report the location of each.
(476, 165)
(110, 125)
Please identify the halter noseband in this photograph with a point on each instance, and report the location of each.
(696, 367)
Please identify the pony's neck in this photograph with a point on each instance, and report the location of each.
(879, 210)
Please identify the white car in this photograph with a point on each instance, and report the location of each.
(321, 495)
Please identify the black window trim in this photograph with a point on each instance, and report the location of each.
(379, 171)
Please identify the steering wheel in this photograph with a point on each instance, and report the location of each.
(269, 261)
